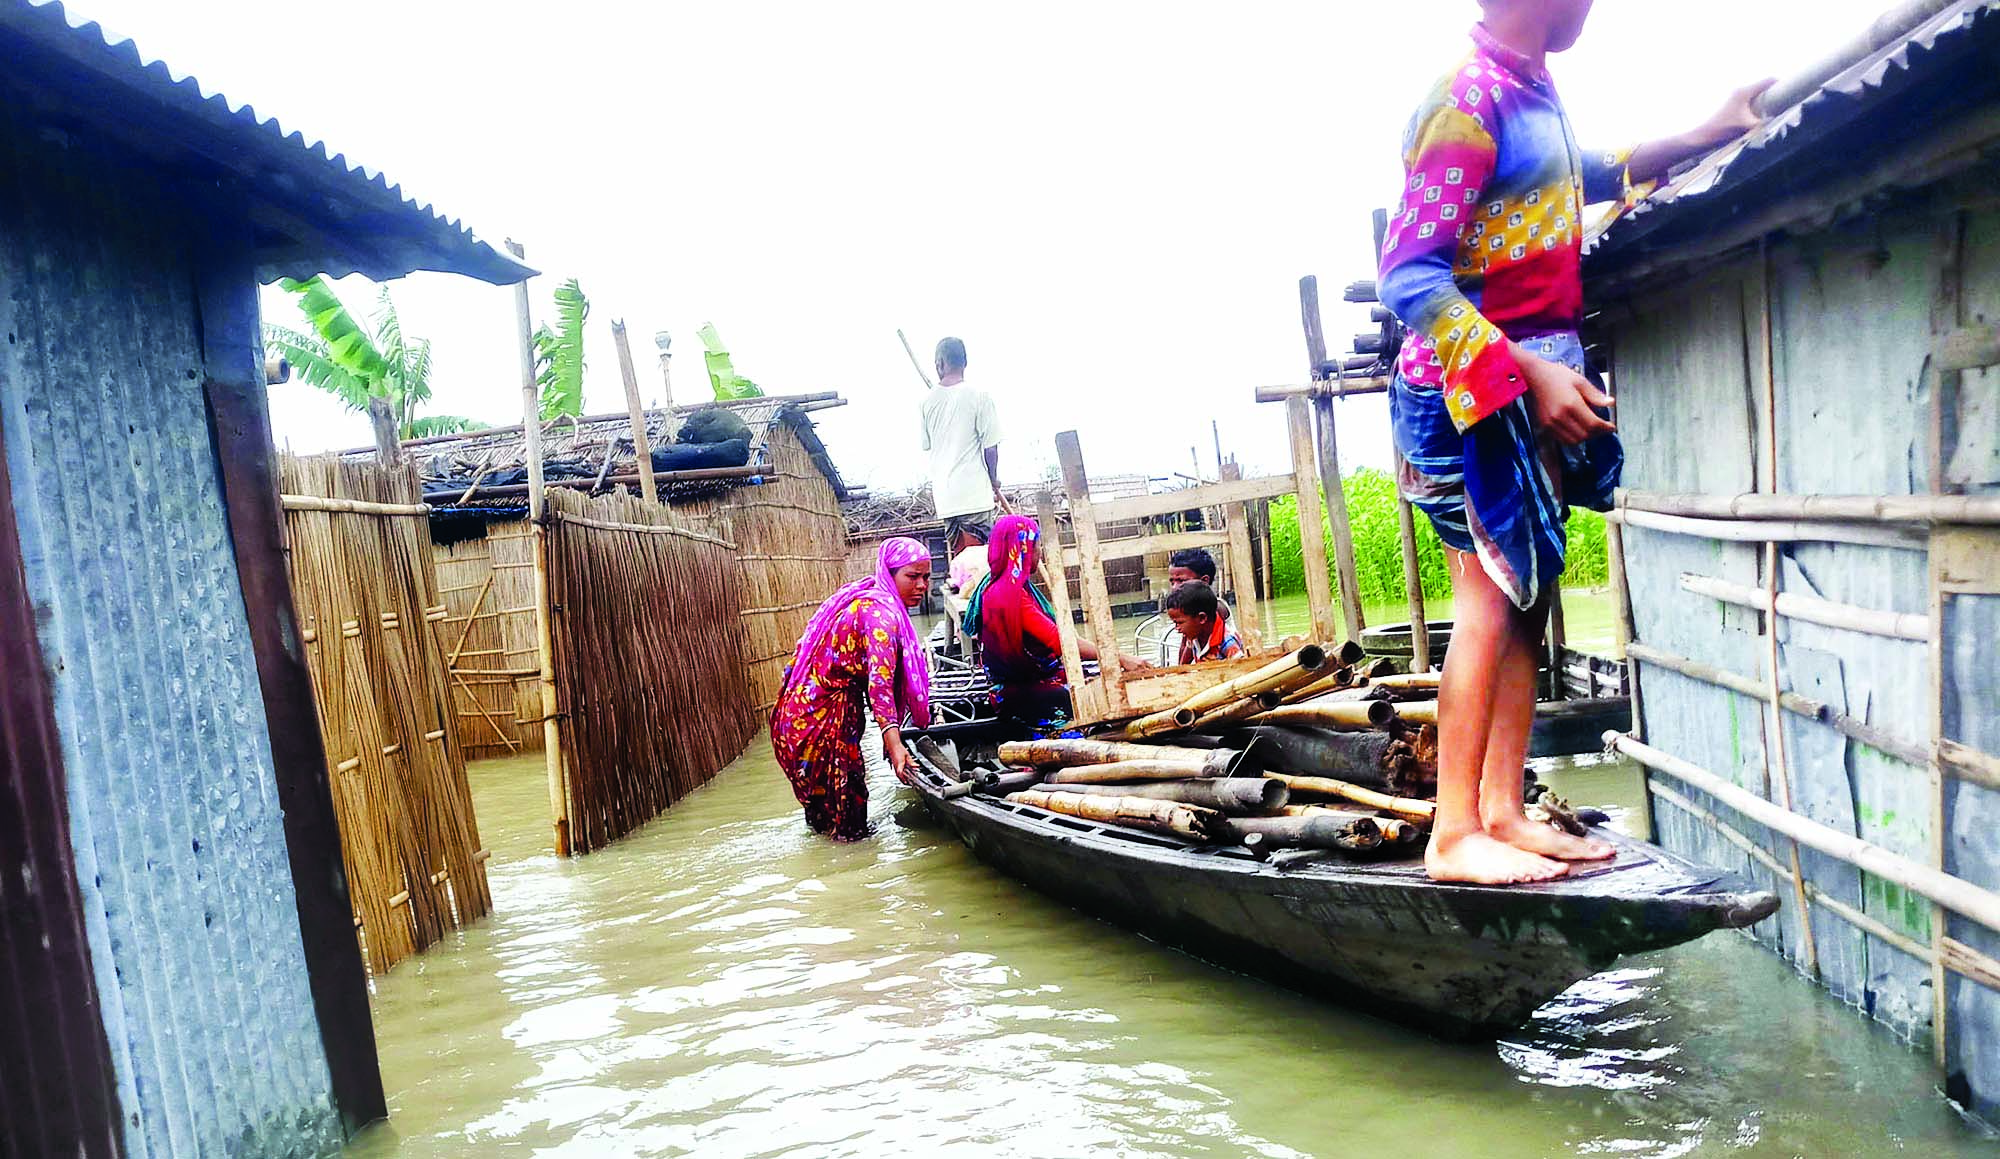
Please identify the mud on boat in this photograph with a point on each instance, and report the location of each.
(1459, 961)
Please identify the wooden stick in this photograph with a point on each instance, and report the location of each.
(1312, 534)
(921, 373)
(1056, 580)
(1337, 714)
(471, 617)
(1765, 531)
(1223, 794)
(1190, 821)
(1046, 753)
(1408, 807)
(1242, 571)
(531, 426)
(642, 452)
(1813, 610)
(1759, 505)
(1955, 894)
(1096, 598)
(1336, 510)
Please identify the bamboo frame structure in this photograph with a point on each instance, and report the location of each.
(1894, 625)
(373, 635)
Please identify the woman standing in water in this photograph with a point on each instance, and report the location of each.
(859, 654)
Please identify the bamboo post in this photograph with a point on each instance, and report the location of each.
(1312, 536)
(1413, 579)
(1090, 567)
(1056, 577)
(664, 341)
(1947, 314)
(1336, 510)
(531, 427)
(642, 452)
(1777, 750)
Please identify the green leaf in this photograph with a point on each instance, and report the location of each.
(440, 425)
(314, 364)
(559, 354)
(348, 345)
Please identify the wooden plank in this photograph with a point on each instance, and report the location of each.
(1242, 572)
(1058, 587)
(1191, 498)
(1096, 598)
(1165, 688)
(1312, 536)
(1336, 513)
(1138, 545)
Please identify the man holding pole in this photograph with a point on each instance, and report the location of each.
(962, 437)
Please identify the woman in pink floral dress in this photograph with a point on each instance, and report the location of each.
(859, 654)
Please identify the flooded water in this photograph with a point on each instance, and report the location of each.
(725, 984)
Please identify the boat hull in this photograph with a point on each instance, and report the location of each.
(1457, 961)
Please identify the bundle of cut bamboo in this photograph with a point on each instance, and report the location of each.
(648, 649)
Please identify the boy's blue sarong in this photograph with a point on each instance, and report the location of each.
(1489, 490)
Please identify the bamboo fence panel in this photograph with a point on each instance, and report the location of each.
(791, 546)
(371, 619)
(489, 588)
(648, 638)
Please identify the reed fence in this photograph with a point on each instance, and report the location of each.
(648, 638)
(370, 616)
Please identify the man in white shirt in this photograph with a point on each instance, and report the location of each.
(962, 437)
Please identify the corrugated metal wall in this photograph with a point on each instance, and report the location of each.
(1851, 328)
(193, 926)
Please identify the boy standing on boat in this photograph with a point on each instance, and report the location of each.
(1497, 424)
(962, 437)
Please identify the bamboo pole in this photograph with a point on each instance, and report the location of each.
(1090, 568)
(1408, 807)
(1351, 833)
(1955, 894)
(1229, 715)
(1223, 794)
(1340, 678)
(1045, 753)
(1056, 578)
(642, 452)
(1759, 505)
(1189, 821)
(1765, 531)
(921, 372)
(1811, 609)
(1336, 511)
(531, 426)
(1312, 535)
(1132, 770)
(1413, 580)
(1300, 667)
(350, 506)
(1352, 714)
(1242, 569)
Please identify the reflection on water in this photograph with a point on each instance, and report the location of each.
(725, 984)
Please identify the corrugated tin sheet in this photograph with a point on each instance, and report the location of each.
(181, 855)
(338, 218)
(1943, 65)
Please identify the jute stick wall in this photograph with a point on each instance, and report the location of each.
(489, 633)
(791, 544)
(369, 617)
(652, 694)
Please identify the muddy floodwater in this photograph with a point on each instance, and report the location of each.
(725, 984)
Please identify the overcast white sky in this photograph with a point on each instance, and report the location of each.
(1111, 203)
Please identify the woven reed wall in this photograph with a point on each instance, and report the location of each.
(791, 541)
(489, 631)
(648, 639)
(370, 618)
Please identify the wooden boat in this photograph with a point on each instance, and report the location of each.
(1460, 961)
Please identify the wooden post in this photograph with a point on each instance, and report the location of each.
(388, 440)
(1413, 579)
(1090, 566)
(1947, 314)
(1776, 751)
(641, 450)
(1055, 576)
(1312, 536)
(1336, 510)
(1242, 572)
(667, 385)
(531, 426)
(1621, 592)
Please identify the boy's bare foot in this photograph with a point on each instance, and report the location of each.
(1548, 841)
(1482, 860)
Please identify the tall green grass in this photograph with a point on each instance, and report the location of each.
(1378, 547)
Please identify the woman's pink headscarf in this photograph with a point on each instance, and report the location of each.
(913, 678)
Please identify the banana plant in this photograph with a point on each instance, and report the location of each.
(559, 354)
(358, 364)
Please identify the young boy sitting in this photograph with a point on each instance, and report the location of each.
(1197, 616)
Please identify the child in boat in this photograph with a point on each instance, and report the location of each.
(1197, 616)
(1497, 425)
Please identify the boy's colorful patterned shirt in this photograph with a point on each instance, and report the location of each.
(1486, 242)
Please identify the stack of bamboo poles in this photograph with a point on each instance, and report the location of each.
(648, 644)
(791, 551)
(369, 617)
(1342, 761)
(489, 628)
